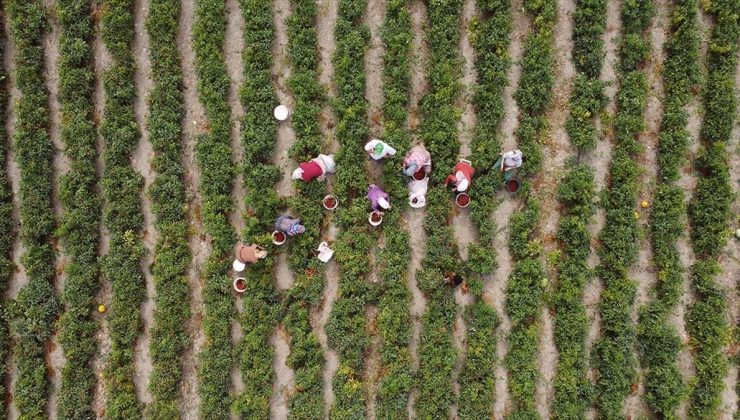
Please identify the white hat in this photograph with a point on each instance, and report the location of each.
(384, 203)
(238, 266)
(329, 163)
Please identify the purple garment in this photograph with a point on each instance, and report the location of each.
(290, 226)
(373, 194)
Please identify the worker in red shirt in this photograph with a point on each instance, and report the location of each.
(462, 176)
(316, 168)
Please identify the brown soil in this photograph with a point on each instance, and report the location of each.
(55, 358)
(374, 17)
(193, 124)
(141, 161)
(284, 382)
(319, 321)
(281, 72)
(419, 61)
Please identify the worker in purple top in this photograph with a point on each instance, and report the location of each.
(378, 198)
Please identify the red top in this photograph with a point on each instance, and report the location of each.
(463, 167)
(311, 170)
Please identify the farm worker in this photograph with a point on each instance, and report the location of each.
(378, 198)
(416, 159)
(418, 193)
(289, 226)
(379, 149)
(508, 162)
(324, 252)
(462, 176)
(453, 279)
(315, 168)
(248, 254)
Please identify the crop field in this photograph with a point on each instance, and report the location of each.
(139, 147)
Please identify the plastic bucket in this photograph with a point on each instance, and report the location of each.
(330, 202)
(513, 185)
(281, 112)
(240, 284)
(420, 175)
(462, 200)
(278, 238)
(375, 218)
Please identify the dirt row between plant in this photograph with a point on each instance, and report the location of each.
(414, 218)
(193, 125)
(141, 160)
(19, 279)
(643, 271)
(281, 71)
(325, 23)
(497, 288)
(374, 18)
(103, 62)
(599, 160)
(55, 359)
(557, 149)
(465, 232)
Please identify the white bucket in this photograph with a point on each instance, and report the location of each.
(281, 112)
(240, 284)
(275, 239)
(370, 218)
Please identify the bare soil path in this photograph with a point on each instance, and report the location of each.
(103, 62)
(325, 34)
(374, 18)
(281, 72)
(414, 218)
(233, 48)
(643, 272)
(141, 160)
(599, 160)
(730, 263)
(55, 357)
(557, 149)
(19, 278)
(193, 125)
(496, 289)
(465, 232)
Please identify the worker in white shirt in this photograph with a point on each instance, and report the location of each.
(509, 162)
(379, 149)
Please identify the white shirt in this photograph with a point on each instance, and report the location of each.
(418, 191)
(512, 159)
(387, 149)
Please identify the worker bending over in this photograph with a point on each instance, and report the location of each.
(248, 254)
(316, 168)
(509, 162)
(379, 149)
(417, 159)
(289, 226)
(378, 198)
(462, 176)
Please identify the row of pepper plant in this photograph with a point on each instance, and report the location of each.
(490, 39)
(659, 342)
(259, 130)
(79, 229)
(37, 305)
(347, 328)
(306, 357)
(527, 282)
(172, 256)
(614, 352)
(213, 153)
(7, 225)
(122, 216)
(709, 213)
(573, 390)
(394, 319)
(437, 352)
